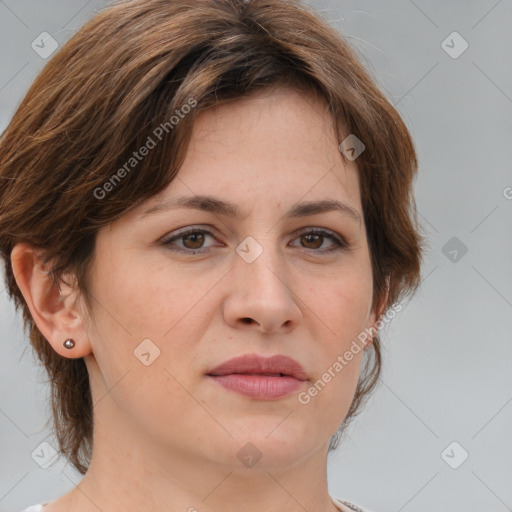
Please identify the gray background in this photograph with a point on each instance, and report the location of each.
(447, 374)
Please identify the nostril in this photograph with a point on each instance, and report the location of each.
(246, 320)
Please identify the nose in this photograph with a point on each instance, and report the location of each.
(261, 295)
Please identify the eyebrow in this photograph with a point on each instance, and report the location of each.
(226, 208)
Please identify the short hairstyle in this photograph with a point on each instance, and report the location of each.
(127, 75)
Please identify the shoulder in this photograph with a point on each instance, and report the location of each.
(348, 506)
(34, 508)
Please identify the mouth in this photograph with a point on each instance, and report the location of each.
(259, 386)
(254, 364)
(257, 377)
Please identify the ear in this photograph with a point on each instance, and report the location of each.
(52, 307)
(375, 315)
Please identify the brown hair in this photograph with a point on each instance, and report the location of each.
(127, 72)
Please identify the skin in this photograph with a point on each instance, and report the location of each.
(166, 436)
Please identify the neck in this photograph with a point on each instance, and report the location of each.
(129, 472)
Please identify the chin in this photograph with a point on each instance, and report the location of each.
(266, 445)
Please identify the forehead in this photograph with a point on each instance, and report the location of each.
(274, 151)
(280, 140)
(279, 120)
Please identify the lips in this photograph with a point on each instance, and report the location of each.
(260, 378)
(253, 364)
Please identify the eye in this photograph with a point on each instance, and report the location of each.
(192, 240)
(314, 238)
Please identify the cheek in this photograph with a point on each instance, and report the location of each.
(344, 309)
(343, 306)
(328, 398)
(353, 303)
(146, 299)
(150, 397)
(340, 314)
(171, 309)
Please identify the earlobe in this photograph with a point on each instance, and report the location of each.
(52, 311)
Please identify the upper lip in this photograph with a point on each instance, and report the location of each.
(258, 365)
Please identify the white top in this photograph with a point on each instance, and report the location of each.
(348, 506)
(344, 506)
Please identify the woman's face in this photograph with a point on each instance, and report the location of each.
(166, 314)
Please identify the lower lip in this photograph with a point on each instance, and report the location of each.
(262, 387)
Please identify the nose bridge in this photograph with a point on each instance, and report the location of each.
(262, 260)
(260, 290)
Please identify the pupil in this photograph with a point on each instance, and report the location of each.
(199, 240)
(315, 238)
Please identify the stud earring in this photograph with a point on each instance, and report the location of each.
(69, 343)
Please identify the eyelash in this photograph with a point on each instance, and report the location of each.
(340, 243)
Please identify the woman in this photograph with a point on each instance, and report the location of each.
(206, 215)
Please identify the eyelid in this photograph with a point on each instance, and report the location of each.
(180, 233)
(324, 231)
(339, 241)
